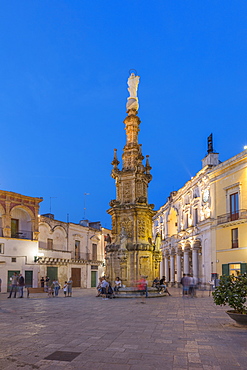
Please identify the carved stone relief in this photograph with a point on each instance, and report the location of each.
(139, 189)
(126, 224)
(141, 229)
(127, 192)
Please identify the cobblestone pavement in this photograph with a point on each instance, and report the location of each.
(159, 333)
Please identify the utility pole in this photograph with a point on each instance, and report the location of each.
(50, 202)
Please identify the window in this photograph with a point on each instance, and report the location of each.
(49, 243)
(186, 220)
(234, 211)
(235, 238)
(94, 252)
(196, 216)
(13, 259)
(14, 227)
(234, 269)
(1, 248)
(77, 249)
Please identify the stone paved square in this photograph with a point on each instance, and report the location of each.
(159, 333)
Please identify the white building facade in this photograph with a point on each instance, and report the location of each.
(71, 250)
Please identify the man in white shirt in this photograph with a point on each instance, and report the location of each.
(104, 287)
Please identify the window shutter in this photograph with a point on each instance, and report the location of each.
(225, 269)
(243, 268)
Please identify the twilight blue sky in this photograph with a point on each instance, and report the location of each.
(63, 72)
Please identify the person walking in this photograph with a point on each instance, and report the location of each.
(70, 282)
(21, 284)
(14, 282)
(185, 281)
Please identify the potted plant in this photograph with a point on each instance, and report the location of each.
(232, 290)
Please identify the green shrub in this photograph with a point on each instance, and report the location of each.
(232, 290)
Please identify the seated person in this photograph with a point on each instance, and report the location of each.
(104, 288)
(163, 285)
(156, 283)
(99, 287)
(118, 284)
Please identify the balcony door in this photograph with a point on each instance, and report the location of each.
(14, 227)
(234, 207)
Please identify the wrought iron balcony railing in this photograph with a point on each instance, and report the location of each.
(22, 234)
(228, 217)
(76, 256)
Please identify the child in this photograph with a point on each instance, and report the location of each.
(65, 288)
(50, 292)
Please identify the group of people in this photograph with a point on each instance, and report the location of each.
(54, 288)
(160, 285)
(189, 285)
(17, 284)
(104, 288)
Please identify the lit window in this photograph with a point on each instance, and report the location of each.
(234, 269)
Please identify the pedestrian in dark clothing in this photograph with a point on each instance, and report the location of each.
(21, 284)
(42, 282)
(47, 279)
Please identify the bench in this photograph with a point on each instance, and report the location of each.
(35, 290)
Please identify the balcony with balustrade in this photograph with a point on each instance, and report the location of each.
(232, 216)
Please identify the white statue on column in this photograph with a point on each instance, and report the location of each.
(133, 82)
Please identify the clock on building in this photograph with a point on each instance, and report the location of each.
(205, 196)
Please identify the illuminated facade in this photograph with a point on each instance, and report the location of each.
(203, 225)
(38, 246)
(131, 254)
(19, 232)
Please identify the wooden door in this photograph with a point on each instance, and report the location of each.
(52, 274)
(29, 278)
(76, 277)
(93, 279)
